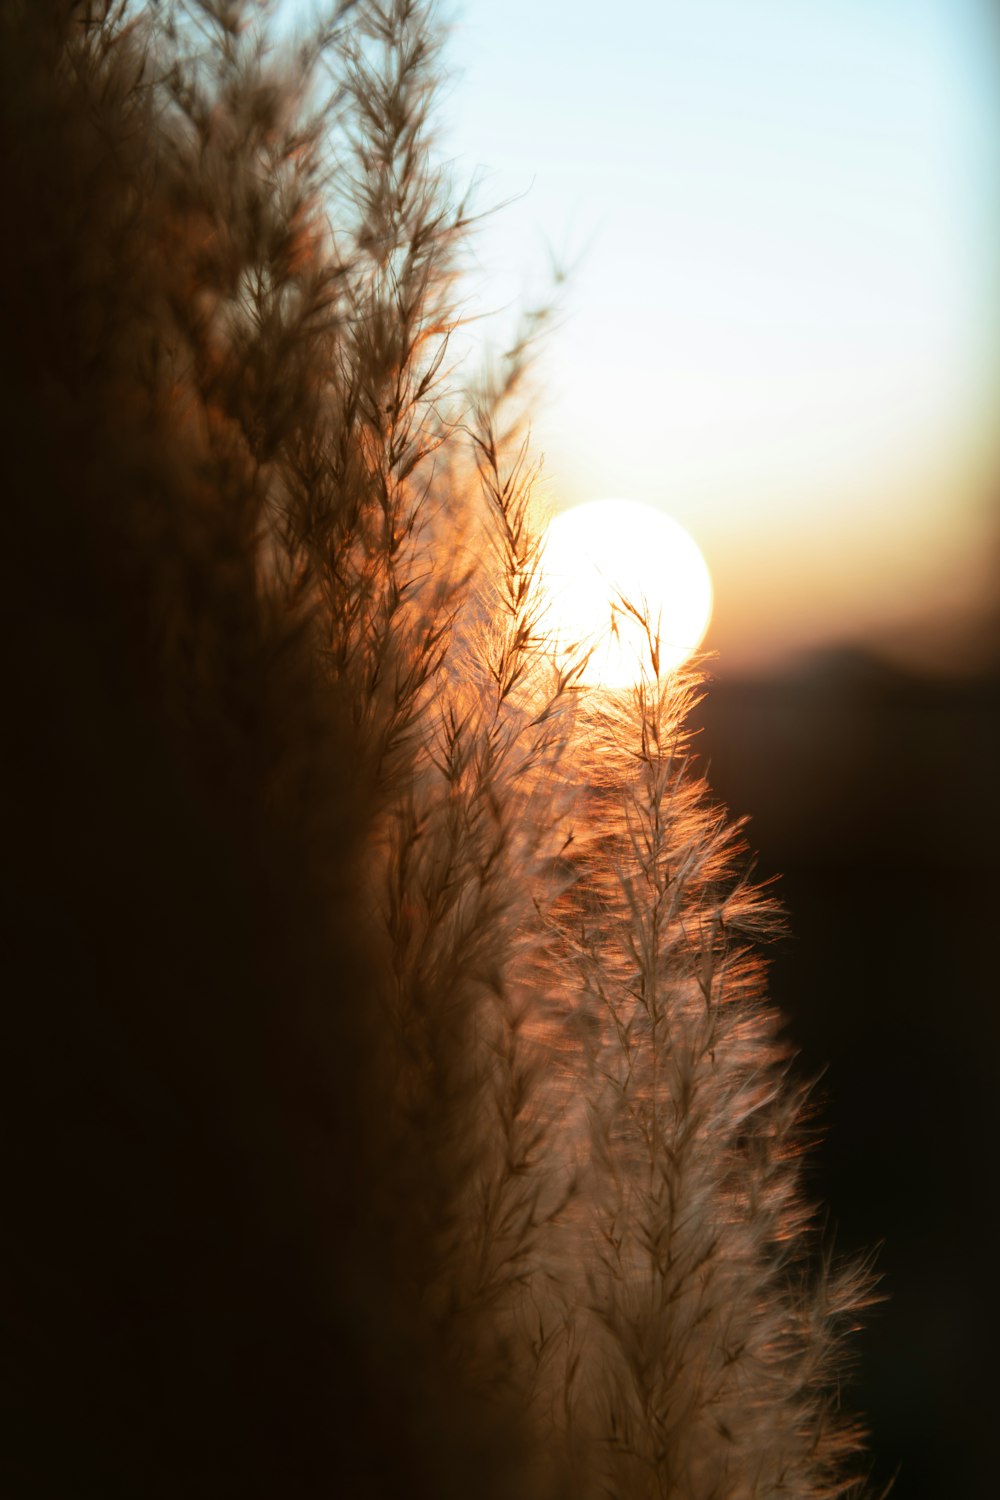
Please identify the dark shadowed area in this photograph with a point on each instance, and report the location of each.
(874, 793)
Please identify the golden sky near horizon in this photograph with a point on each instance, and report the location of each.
(782, 321)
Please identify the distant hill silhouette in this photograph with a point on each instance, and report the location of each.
(874, 791)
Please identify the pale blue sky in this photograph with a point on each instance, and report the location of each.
(782, 326)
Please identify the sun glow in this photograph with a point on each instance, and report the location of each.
(604, 556)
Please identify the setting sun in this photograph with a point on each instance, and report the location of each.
(607, 554)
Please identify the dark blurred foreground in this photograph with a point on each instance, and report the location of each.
(198, 1290)
(874, 795)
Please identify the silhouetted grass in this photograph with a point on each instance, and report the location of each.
(393, 1103)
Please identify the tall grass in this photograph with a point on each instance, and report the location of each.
(394, 1104)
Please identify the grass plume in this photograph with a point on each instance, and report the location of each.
(393, 1104)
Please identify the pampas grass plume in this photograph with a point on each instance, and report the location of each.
(393, 1101)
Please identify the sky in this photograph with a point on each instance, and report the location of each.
(781, 321)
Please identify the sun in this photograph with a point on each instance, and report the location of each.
(597, 554)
